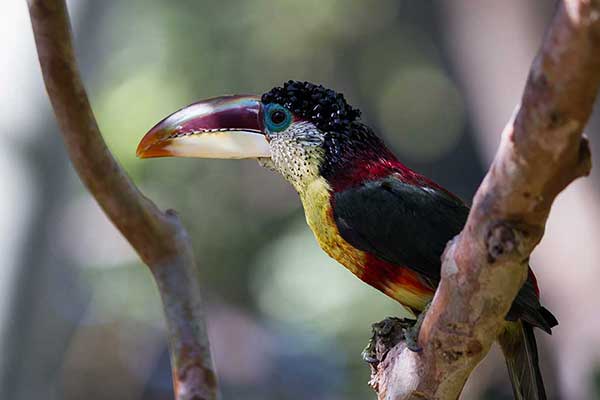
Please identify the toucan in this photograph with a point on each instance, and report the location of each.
(381, 220)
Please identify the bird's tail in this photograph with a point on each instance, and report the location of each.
(520, 350)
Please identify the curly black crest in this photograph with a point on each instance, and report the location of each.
(327, 109)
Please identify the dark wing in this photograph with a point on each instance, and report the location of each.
(400, 223)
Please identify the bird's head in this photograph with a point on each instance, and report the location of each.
(300, 130)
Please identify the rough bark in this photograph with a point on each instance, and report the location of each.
(158, 237)
(542, 150)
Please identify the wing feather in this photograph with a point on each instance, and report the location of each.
(400, 223)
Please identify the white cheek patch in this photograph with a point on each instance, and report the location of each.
(228, 145)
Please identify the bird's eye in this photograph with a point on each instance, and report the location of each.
(277, 118)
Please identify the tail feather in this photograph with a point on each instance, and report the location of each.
(520, 350)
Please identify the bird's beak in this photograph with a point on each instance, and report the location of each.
(222, 127)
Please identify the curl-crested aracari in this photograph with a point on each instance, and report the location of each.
(384, 222)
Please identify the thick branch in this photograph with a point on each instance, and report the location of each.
(158, 237)
(541, 152)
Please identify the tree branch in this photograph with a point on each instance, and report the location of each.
(542, 150)
(158, 237)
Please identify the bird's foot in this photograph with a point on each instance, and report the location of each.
(411, 337)
(386, 334)
(369, 354)
(411, 334)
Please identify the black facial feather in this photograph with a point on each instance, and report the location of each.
(347, 141)
(325, 108)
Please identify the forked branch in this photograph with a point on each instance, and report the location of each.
(158, 237)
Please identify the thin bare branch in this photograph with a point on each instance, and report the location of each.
(541, 152)
(158, 237)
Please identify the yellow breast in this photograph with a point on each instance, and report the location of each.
(319, 216)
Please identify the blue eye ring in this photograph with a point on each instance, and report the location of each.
(277, 118)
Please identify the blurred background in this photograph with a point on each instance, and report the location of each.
(80, 317)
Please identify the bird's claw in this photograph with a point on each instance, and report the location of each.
(369, 353)
(386, 334)
(411, 337)
(411, 334)
(390, 331)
